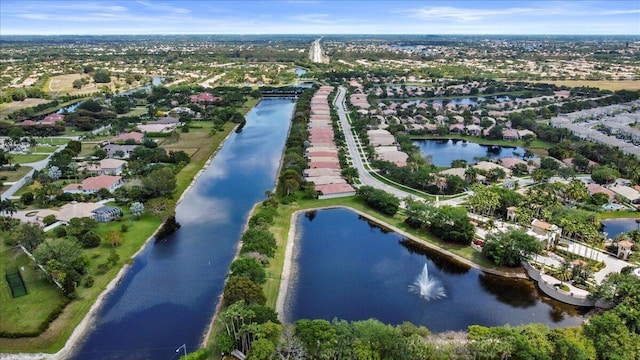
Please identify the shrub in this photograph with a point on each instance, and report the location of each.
(90, 240)
(60, 231)
(88, 282)
(27, 198)
(49, 219)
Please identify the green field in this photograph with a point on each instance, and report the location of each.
(27, 158)
(44, 149)
(25, 313)
(15, 175)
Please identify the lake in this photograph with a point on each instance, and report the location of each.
(349, 268)
(444, 151)
(613, 227)
(169, 294)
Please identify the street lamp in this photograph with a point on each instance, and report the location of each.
(183, 347)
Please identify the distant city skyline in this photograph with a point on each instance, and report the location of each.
(319, 17)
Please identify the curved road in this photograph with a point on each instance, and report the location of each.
(354, 153)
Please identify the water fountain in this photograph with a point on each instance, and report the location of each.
(428, 289)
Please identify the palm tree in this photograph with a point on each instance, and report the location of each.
(564, 272)
(470, 174)
(7, 207)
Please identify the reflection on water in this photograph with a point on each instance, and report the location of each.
(516, 293)
(168, 296)
(443, 151)
(347, 268)
(441, 261)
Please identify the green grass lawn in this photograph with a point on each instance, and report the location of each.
(46, 296)
(137, 111)
(52, 141)
(27, 158)
(44, 149)
(619, 214)
(15, 175)
(25, 313)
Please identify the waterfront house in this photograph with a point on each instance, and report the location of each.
(96, 211)
(546, 232)
(624, 249)
(509, 134)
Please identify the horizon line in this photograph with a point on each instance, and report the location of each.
(319, 34)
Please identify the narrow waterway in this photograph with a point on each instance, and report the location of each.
(169, 295)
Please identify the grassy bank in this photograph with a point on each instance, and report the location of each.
(619, 215)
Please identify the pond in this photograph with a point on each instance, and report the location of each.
(613, 227)
(348, 268)
(300, 71)
(444, 151)
(473, 101)
(169, 294)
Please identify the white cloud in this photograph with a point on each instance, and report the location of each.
(164, 8)
(463, 14)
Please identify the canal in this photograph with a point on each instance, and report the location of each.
(169, 294)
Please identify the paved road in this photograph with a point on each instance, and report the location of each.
(354, 145)
(316, 52)
(39, 165)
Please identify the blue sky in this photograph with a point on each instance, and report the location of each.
(49, 17)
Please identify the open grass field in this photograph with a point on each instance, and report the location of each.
(40, 307)
(27, 158)
(15, 175)
(44, 149)
(63, 84)
(8, 108)
(137, 111)
(612, 85)
(50, 141)
(17, 314)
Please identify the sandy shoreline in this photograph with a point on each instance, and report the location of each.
(87, 321)
(291, 242)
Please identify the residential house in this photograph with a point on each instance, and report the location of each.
(204, 97)
(93, 184)
(595, 188)
(98, 212)
(52, 119)
(104, 167)
(509, 134)
(473, 130)
(119, 151)
(135, 136)
(546, 232)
